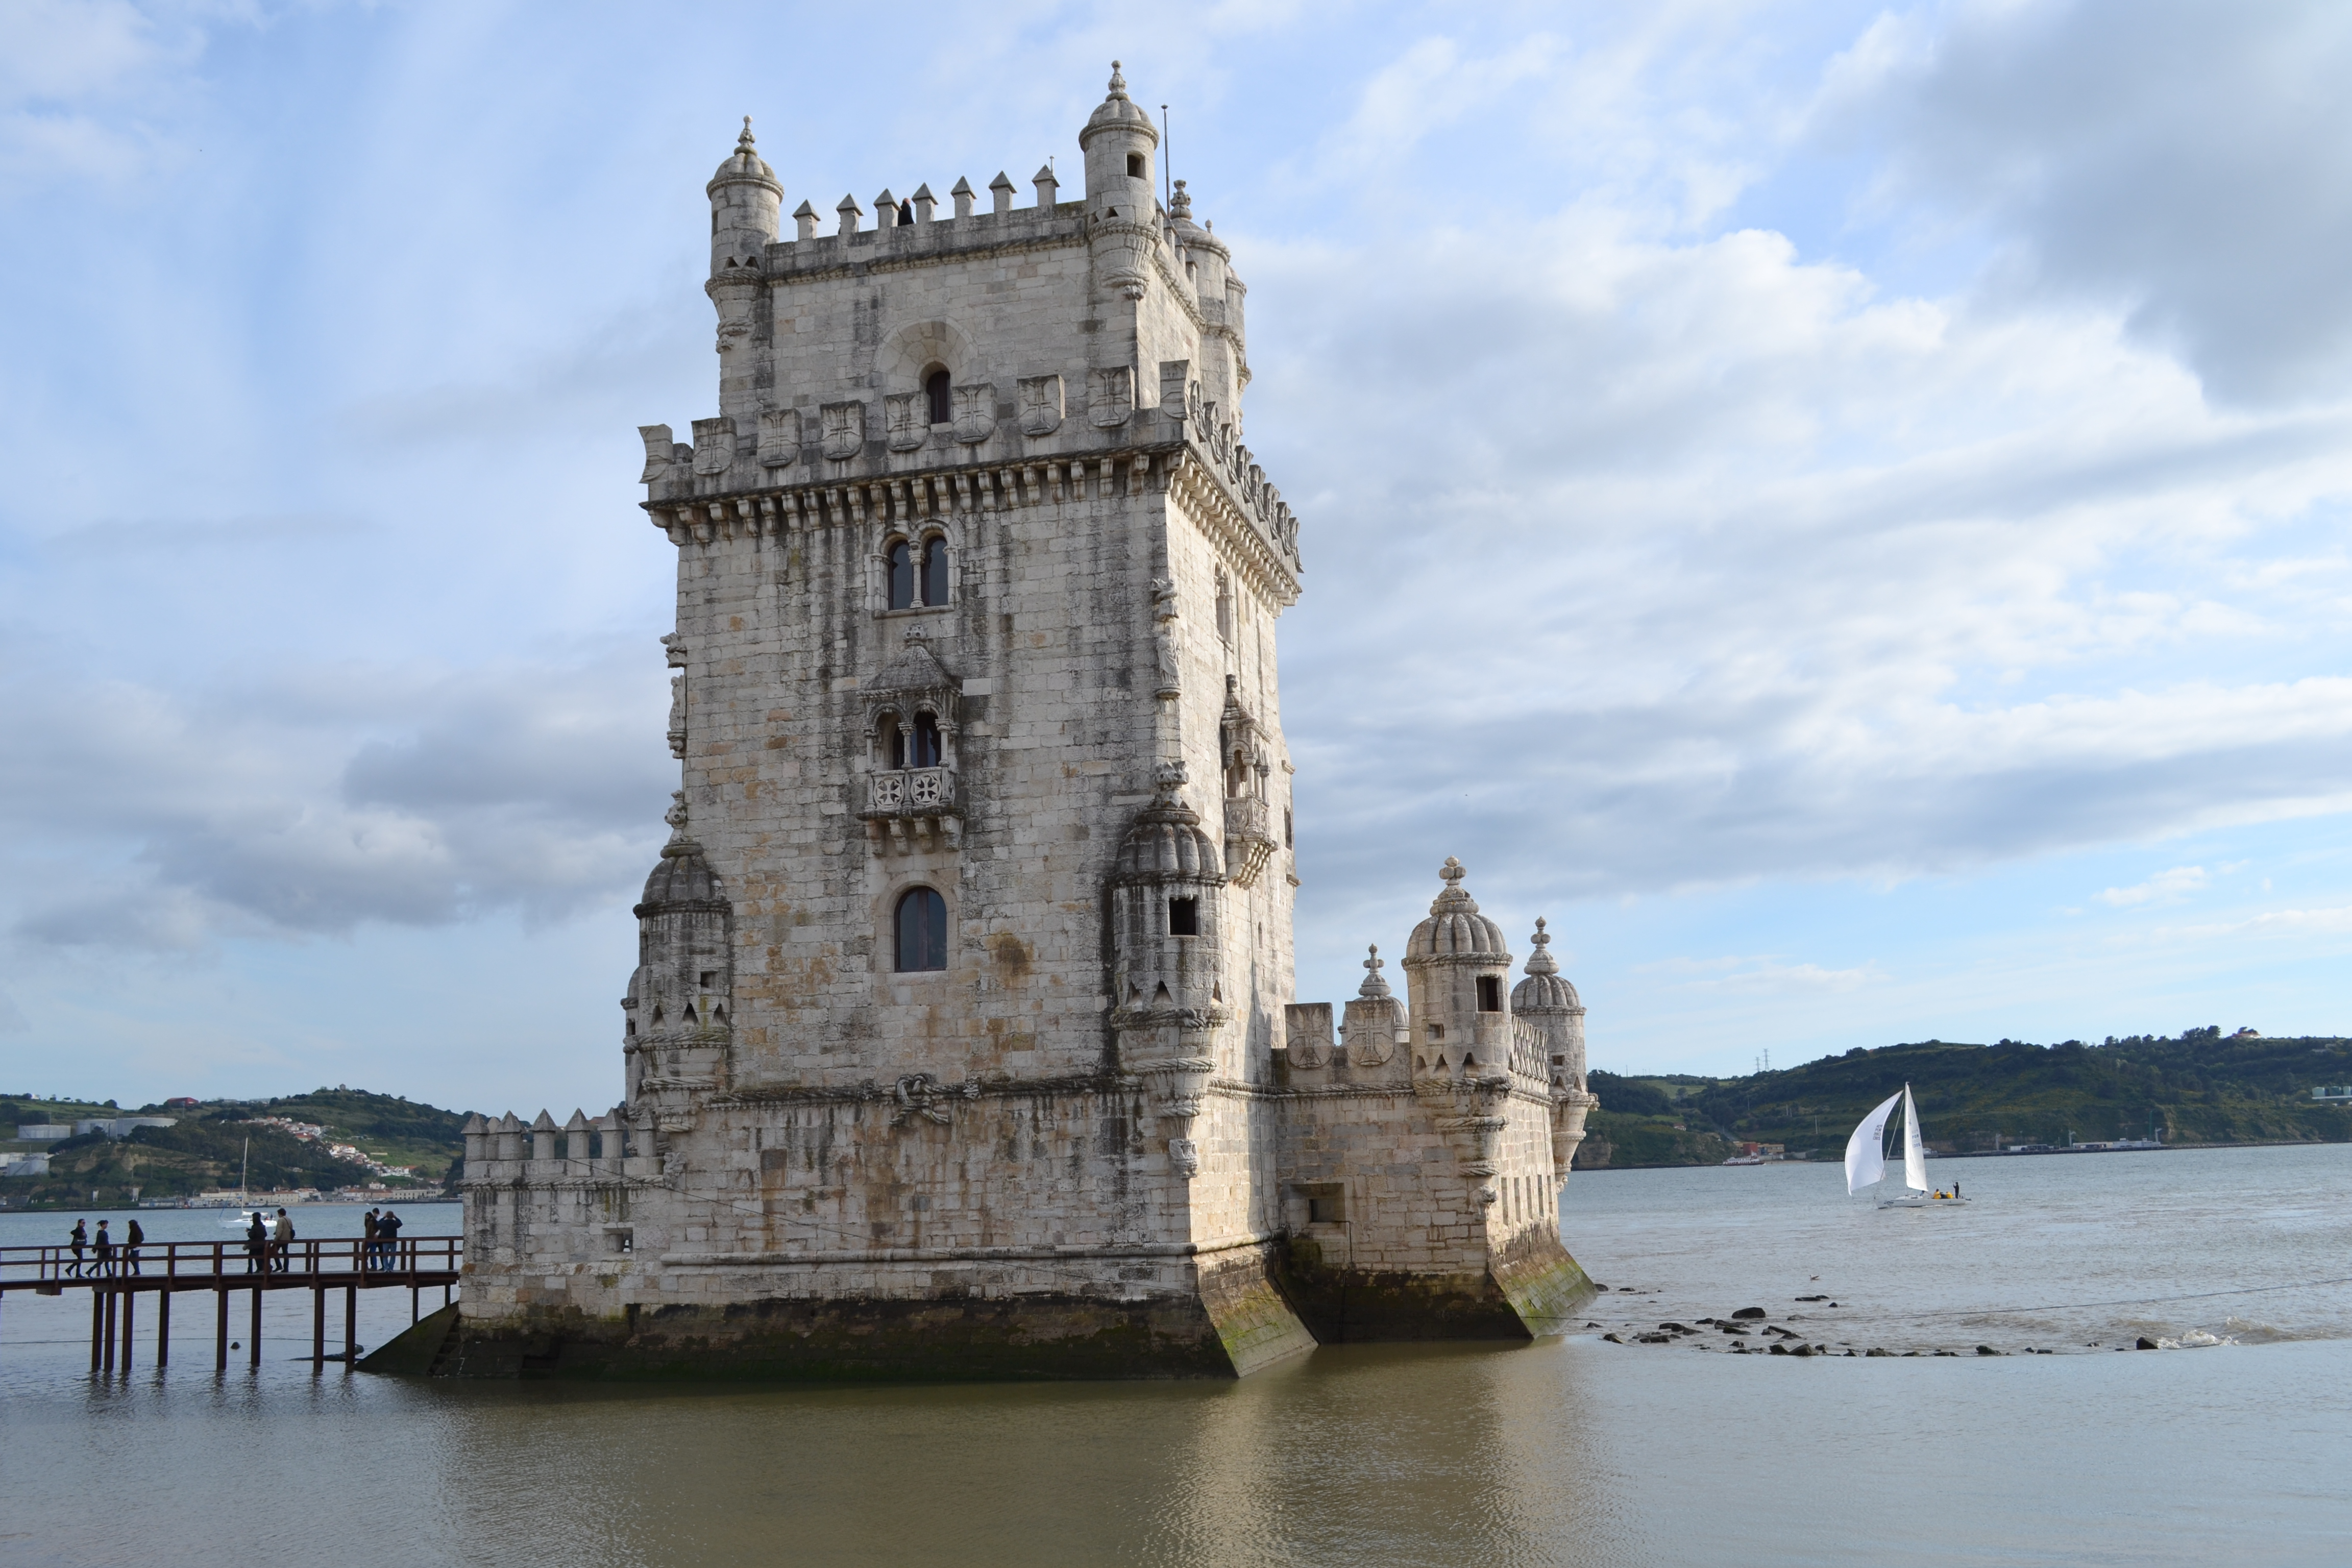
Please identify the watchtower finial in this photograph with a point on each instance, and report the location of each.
(744, 141)
(1118, 82)
(1453, 872)
(1374, 985)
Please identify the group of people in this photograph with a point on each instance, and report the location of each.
(268, 1246)
(381, 1240)
(111, 1257)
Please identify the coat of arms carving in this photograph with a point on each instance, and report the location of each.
(975, 412)
(906, 419)
(1040, 405)
(1113, 396)
(714, 446)
(780, 437)
(843, 429)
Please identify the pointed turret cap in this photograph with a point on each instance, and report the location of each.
(963, 187)
(1374, 987)
(1167, 840)
(682, 879)
(745, 164)
(1543, 990)
(1454, 929)
(545, 1123)
(578, 1123)
(475, 1126)
(1118, 113)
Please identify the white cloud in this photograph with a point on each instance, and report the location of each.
(2164, 888)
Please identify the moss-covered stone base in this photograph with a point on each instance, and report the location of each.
(1530, 1291)
(1018, 1339)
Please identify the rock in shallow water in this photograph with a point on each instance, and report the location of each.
(1749, 1313)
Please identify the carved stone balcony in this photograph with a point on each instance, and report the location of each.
(1249, 838)
(910, 809)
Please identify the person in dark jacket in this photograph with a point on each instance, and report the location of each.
(134, 1238)
(105, 1251)
(388, 1228)
(257, 1244)
(78, 1240)
(367, 1240)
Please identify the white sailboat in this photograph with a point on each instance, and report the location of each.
(1866, 1158)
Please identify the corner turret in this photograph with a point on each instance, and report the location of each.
(678, 1009)
(745, 208)
(1456, 968)
(1121, 143)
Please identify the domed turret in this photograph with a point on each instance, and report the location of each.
(1168, 996)
(1457, 967)
(1455, 929)
(1546, 999)
(745, 208)
(678, 1026)
(1119, 141)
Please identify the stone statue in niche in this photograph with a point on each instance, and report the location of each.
(1168, 637)
(675, 652)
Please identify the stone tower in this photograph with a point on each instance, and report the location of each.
(961, 1038)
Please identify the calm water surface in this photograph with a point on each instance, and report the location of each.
(1573, 1452)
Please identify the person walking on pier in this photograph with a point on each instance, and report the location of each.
(78, 1240)
(105, 1252)
(257, 1245)
(282, 1244)
(134, 1238)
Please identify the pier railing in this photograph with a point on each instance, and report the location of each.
(163, 1270)
(207, 1264)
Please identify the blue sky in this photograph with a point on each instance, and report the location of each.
(1840, 508)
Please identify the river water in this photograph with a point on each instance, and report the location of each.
(1571, 1452)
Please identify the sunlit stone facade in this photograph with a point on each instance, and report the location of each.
(962, 1039)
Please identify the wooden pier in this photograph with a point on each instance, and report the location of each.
(163, 1270)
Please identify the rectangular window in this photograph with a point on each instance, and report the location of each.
(1326, 1204)
(1490, 994)
(1183, 916)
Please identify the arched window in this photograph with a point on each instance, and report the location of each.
(894, 745)
(902, 576)
(925, 752)
(935, 572)
(922, 930)
(935, 388)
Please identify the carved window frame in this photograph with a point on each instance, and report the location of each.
(916, 537)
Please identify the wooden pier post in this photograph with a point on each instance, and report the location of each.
(318, 1327)
(130, 1301)
(107, 1335)
(96, 1325)
(257, 1324)
(220, 1327)
(351, 1325)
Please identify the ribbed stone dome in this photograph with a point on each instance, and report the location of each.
(682, 879)
(1118, 113)
(682, 876)
(744, 162)
(1167, 842)
(1543, 989)
(1454, 929)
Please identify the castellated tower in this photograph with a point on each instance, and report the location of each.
(961, 1041)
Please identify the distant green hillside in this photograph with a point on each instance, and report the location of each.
(211, 1141)
(2197, 1087)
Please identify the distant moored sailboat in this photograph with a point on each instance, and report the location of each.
(1866, 1157)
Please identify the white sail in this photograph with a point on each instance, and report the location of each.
(1914, 1158)
(1865, 1151)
